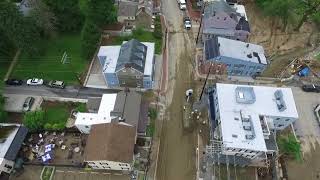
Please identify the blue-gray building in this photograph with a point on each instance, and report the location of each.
(241, 59)
(128, 65)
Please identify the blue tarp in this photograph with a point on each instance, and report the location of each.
(304, 72)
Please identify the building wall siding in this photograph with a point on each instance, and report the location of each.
(237, 67)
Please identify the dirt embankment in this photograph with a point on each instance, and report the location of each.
(269, 33)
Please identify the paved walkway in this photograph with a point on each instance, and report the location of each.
(13, 63)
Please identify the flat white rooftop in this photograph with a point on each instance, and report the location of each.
(9, 136)
(241, 50)
(103, 115)
(112, 54)
(232, 130)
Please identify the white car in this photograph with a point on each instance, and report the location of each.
(187, 23)
(34, 81)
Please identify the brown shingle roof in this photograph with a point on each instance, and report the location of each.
(111, 142)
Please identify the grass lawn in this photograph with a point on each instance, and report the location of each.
(46, 174)
(318, 57)
(57, 113)
(48, 66)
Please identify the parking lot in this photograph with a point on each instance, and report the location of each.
(14, 102)
(307, 127)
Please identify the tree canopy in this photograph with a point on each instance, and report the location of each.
(17, 29)
(303, 10)
(68, 14)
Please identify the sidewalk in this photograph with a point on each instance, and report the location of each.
(13, 63)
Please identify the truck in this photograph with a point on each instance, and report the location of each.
(182, 4)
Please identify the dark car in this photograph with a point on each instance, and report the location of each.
(15, 82)
(311, 88)
(28, 104)
(56, 84)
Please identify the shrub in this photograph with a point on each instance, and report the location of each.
(290, 146)
(90, 36)
(34, 120)
(157, 33)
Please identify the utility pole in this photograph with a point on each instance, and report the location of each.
(201, 16)
(205, 82)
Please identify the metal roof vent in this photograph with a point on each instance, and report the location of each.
(281, 105)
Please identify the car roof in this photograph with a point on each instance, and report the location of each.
(58, 82)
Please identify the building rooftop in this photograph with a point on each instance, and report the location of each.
(115, 59)
(11, 138)
(111, 142)
(133, 54)
(127, 107)
(103, 116)
(239, 50)
(255, 99)
(127, 9)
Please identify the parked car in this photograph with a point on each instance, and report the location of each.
(311, 88)
(317, 113)
(28, 104)
(187, 23)
(15, 82)
(56, 84)
(34, 81)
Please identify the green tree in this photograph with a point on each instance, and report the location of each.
(90, 36)
(43, 18)
(307, 9)
(290, 146)
(3, 113)
(278, 8)
(68, 14)
(99, 12)
(21, 31)
(34, 120)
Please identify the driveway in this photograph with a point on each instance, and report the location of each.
(307, 128)
(14, 103)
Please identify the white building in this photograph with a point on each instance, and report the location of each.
(84, 121)
(244, 118)
(110, 146)
(11, 138)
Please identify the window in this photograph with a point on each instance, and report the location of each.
(86, 127)
(104, 164)
(280, 125)
(287, 119)
(123, 164)
(124, 168)
(237, 119)
(277, 118)
(8, 166)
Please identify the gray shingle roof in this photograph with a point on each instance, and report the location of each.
(133, 54)
(218, 6)
(16, 143)
(127, 8)
(211, 48)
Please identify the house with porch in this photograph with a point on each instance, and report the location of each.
(129, 65)
(224, 20)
